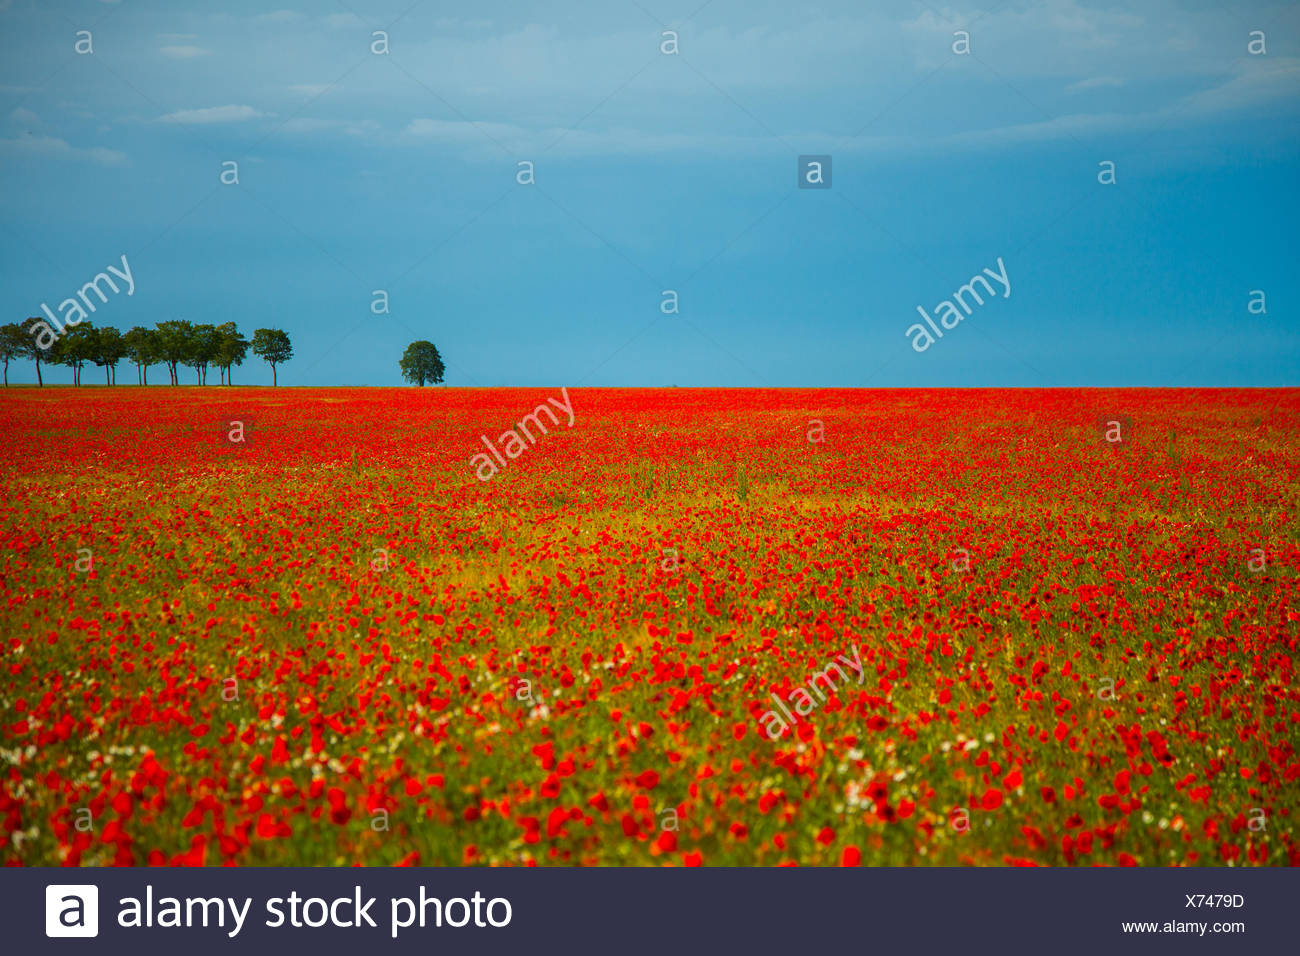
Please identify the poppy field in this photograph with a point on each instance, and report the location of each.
(687, 627)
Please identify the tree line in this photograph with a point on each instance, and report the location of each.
(176, 344)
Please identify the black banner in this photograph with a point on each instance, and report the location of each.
(651, 911)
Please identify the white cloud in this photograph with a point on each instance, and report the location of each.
(525, 82)
(1094, 83)
(457, 130)
(1079, 125)
(1074, 40)
(182, 52)
(177, 37)
(1254, 84)
(307, 124)
(24, 117)
(449, 23)
(343, 19)
(1257, 81)
(213, 114)
(488, 138)
(52, 147)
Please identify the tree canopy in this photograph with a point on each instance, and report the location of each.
(174, 343)
(421, 363)
(272, 346)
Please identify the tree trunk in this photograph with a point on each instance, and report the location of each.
(107, 380)
(230, 373)
(39, 381)
(274, 380)
(6, 373)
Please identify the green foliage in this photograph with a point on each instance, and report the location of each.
(109, 349)
(13, 344)
(173, 343)
(272, 346)
(141, 345)
(421, 363)
(31, 348)
(77, 345)
(232, 347)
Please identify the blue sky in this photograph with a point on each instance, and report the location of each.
(361, 171)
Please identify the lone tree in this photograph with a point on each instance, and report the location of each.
(273, 346)
(421, 363)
